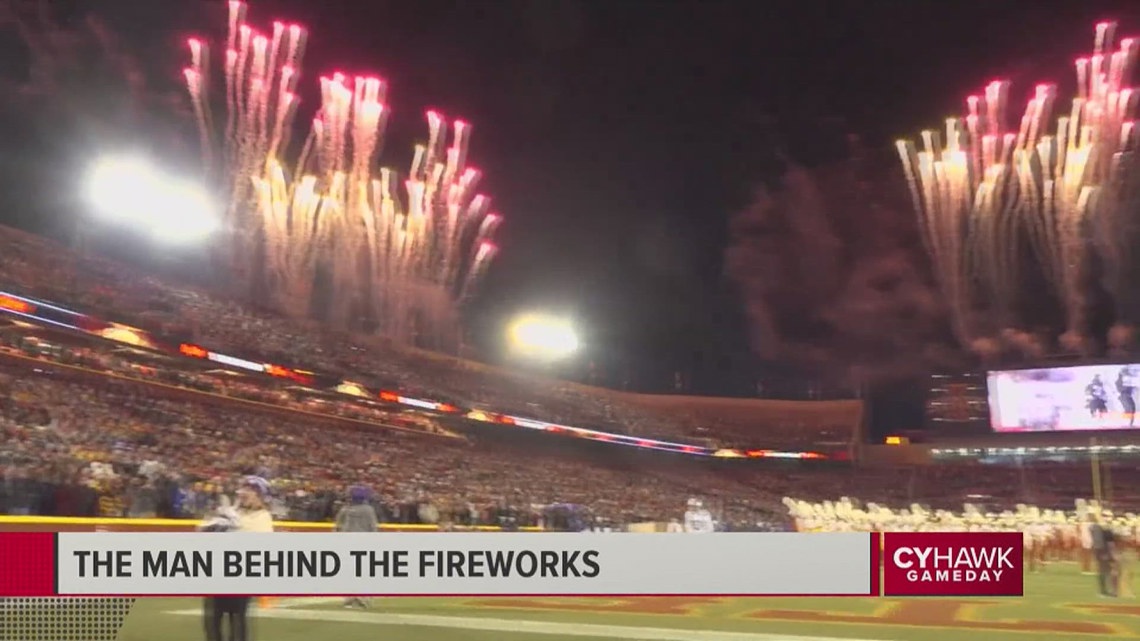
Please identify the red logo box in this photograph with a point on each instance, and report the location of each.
(953, 564)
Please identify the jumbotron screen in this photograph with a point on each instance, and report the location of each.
(1062, 399)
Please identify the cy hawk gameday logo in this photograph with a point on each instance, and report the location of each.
(952, 564)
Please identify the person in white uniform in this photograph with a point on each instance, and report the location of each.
(698, 520)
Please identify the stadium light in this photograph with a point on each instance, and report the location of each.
(544, 337)
(133, 192)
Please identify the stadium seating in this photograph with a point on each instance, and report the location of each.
(37, 267)
(89, 429)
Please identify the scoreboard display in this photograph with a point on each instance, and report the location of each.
(958, 402)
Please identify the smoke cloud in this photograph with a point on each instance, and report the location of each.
(830, 272)
(74, 79)
(70, 91)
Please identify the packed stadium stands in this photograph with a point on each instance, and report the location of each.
(33, 266)
(58, 422)
(60, 419)
(93, 427)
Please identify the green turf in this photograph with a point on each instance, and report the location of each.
(1056, 601)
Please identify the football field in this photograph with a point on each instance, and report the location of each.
(1060, 603)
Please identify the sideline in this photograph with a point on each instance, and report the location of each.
(631, 633)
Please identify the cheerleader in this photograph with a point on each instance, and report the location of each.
(251, 515)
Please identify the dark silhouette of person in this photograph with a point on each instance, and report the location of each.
(1096, 397)
(1126, 388)
(1104, 548)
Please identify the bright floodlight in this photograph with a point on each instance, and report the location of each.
(132, 192)
(545, 337)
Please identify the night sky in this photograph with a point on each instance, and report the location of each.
(617, 137)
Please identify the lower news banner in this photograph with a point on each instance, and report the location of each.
(462, 564)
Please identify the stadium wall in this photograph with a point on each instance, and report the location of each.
(762, 413)
(895, 455)
(752, 408)
(757, 408)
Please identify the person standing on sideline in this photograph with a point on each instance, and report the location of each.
(357, 516)
(698, 520)
(1086, 541)
(251, 515)
(1104, 549)
(253, 506)
(1124, 568)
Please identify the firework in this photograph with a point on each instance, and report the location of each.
(404, 253)
(977, 191)
(1082, 180)
(295, 233)
(965, 194)
(260, 75)
(406, 250)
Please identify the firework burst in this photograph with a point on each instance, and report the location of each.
(260, 74)
(402, 252)
(1074, 192)
(965, 195)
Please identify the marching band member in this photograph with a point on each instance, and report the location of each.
(1094, 532)
(1086, 541)
(1123, 561)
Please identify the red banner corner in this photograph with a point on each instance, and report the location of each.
(27, 564)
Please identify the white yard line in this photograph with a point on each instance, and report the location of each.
(632, 633)
(303, 602)
(293, 602)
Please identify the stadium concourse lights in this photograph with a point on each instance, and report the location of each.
(131, 191)
(542, 337)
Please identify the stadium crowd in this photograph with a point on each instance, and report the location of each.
(37, 267)
(79, 444)
(84, 444)
(88, 432)
(134, 364)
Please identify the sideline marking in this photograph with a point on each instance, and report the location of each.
(528, 627)
(300, 602)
